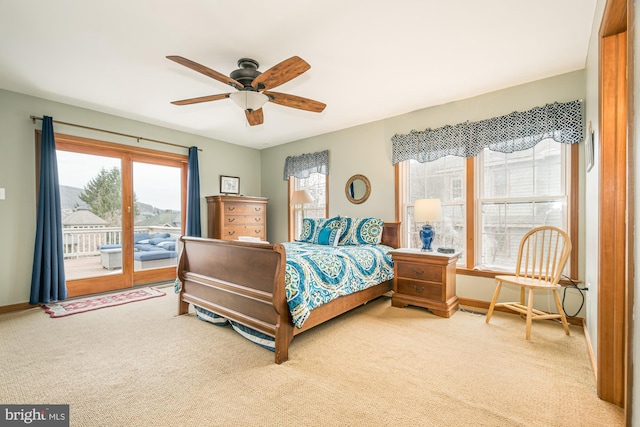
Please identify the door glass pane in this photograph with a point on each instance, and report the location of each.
(91, 202)
(157, 215)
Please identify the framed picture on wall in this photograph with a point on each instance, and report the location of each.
(229, 185)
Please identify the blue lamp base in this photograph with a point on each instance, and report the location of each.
(426, 235)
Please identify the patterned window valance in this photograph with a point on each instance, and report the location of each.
(563, 122)
(304, 165)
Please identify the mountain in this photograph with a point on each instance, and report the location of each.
(70, 200)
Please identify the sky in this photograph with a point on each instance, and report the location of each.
(155, 185)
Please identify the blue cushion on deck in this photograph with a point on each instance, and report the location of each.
(114, 246)
(151, 255)
(145, 247)
(140, 236)
(156, 240)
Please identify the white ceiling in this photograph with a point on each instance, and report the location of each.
(369, 60)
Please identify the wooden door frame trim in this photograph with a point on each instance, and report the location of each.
(127, 153)
(616, 212)
(631, 191)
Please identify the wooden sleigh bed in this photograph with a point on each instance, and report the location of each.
(245, 282)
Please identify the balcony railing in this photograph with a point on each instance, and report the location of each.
(85, 242)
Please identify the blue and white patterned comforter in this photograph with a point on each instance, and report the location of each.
(317, 274)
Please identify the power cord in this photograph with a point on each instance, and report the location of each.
(564, 295)
(477, 313)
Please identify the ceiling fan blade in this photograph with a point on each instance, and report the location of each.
(281, 73)
(294, 101)
(255, 117)
(206, 71)
(201, 99)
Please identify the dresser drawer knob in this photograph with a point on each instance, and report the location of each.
(257, 219)
(418, 272)
(231, 208)
(231, 219)
(419, 290)
(231, 232)
(258, 209)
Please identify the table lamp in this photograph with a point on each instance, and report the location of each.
(427, 210)
(300, 197)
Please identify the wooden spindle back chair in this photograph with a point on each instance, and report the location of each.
(542, 256)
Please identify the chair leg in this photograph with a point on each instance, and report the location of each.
(529, 313)
(565, 325)
(521, 300)
(493, 301)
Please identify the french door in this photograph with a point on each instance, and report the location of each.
(123, 210)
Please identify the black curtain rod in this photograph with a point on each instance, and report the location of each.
(138, 138)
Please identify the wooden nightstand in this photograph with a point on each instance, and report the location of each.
(425, 279)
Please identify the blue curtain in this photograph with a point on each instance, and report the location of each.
(47, 278)
(193, 195)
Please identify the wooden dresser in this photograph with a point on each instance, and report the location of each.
(425, 279)
(229, 217)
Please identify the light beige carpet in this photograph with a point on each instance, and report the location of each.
(140, 365)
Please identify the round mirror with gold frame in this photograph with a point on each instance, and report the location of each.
(358, 189)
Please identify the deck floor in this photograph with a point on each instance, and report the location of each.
(81, 268)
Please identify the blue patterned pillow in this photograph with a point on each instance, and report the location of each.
(308, 230)
(335, 222)
(328, 236)
(312, 226)
(361, 231)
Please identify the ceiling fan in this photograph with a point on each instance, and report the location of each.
(254, 87)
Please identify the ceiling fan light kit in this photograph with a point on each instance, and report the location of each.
(249, 83)
(249, 100)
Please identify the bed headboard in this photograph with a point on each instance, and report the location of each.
(391, 234)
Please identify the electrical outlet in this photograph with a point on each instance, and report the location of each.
(2, 194)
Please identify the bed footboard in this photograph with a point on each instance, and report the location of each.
(245, 282)
(241, 281)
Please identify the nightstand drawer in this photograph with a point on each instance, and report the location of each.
(409, 270)
(432, 291)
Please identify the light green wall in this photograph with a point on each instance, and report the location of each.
(592, 183)
(366, 150)
(17, 172)
(359, 150)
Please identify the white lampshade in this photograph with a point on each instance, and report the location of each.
(248, 99)
(300, 197)
(427, 210)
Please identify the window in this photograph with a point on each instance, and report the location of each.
(517, 192)
(490, 201)
(441, 179)
(307, 172)
(316, 185)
